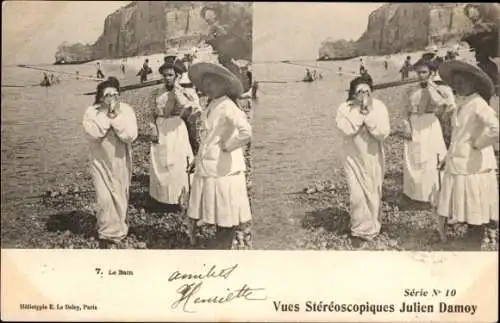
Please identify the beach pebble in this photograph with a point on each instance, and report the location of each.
(310, 190)
(392, 243)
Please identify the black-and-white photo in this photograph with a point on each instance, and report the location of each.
(247, 161)
(376, 126)
(132, 135)
(225, 125)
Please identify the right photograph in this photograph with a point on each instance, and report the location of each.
(375, 126)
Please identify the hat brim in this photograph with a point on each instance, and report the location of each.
(199, 70)
(482, 80)
(178, 67)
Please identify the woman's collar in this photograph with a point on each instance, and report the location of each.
(470, 97)
(219, 99)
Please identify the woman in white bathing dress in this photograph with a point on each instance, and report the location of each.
(469, 193)
(425, 144)
(364, 123)
(170, 148)
(219, 192)
(111, 127)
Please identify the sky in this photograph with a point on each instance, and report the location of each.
(296, 30)
(32, 30)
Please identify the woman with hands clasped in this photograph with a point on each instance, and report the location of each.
(425, 143)
(170, 146)
(111, 127)
(219, 192)
(364, 123)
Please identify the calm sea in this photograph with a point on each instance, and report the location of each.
(295, 139)
(42, 136)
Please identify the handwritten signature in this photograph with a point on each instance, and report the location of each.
(188, 293)
(212, 273)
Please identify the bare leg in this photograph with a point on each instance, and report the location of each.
(192, 231)
(223, 238)
(476, 233)
(442, 228)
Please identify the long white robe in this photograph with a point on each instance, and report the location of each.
(421, 153)
(111, 166)
(364, 163)
(168, 176)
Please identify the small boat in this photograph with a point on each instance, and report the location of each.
(327, 58)
(308, 79)
(63, 62)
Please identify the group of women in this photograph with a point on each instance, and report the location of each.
(459, 180)
(217, 190)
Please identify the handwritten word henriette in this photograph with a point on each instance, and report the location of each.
(212, 273)
(188, 291)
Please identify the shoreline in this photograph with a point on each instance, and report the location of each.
(67, 220)
(65, 217)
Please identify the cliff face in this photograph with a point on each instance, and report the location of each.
(72, 53)
(397, 27)
(145, 27)
(330, 49)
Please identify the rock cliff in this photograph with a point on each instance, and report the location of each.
(67, 53)
(146, 27)
(398, 27)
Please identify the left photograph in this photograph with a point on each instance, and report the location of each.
(127, 125)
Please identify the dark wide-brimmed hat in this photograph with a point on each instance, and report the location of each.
(481, 80)
(213, 8)
(198, 71)
(172, 62)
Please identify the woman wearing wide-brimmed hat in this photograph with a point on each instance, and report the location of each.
(219, 192)
(425, 141)
(170, 147)
(111, 127)
(469, 192)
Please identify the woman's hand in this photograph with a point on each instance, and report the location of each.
(191, 167)
(113, 110)
(442, 164)
(224, 148)
(246, 95)
(154, 133)
(112, 114)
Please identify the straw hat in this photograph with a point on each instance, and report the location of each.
(199, 70)
(481, 80)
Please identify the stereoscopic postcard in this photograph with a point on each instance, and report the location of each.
(234, 161)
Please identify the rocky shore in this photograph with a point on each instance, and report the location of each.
(64, 217)
(406, 225)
